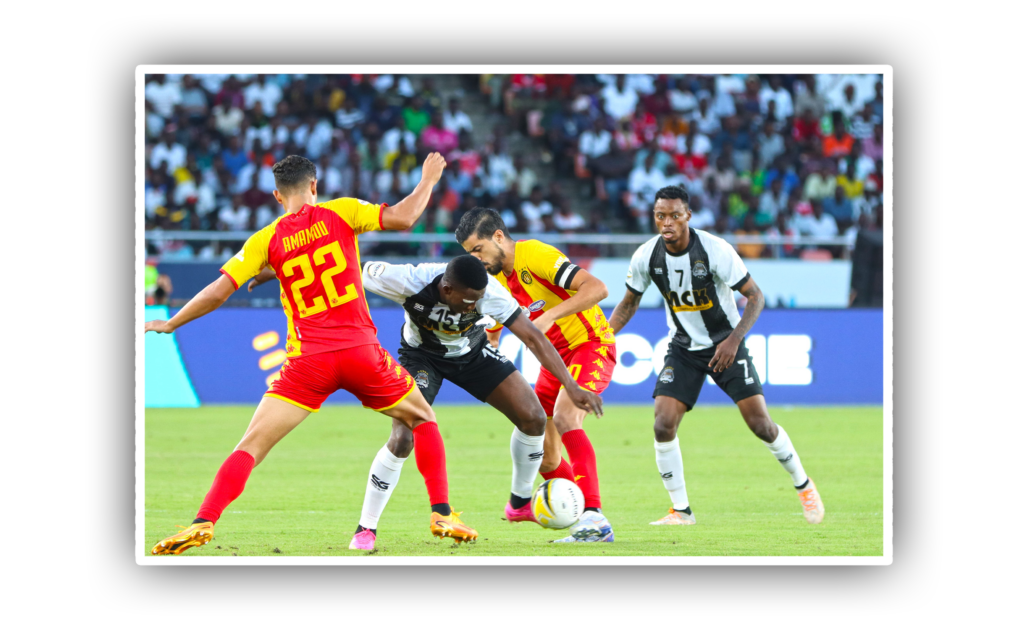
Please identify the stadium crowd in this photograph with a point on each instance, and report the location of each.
(767, 154)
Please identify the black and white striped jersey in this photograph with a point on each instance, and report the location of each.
(698, 286)
(430, 324)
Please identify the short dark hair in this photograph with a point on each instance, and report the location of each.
(292, 172)
(482, 222)
(467, 271)
(677, 191)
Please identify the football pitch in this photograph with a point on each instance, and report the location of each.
(305, 498)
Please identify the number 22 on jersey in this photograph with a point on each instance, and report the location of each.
(303, 263)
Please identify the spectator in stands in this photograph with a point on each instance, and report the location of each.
(195, 101)
(416, 116)
(848, 181)
(234, 216)
(774, 200)
(840, 208)
(562, 134)
(878, 102)
(749, 228)
(644, 123)
(682, 99)
(625, 136)
(703, 218)
(873, 146)
(163, 94)
(466, 157)
(595, 141)
(610, 172)
(566, 220)
(837, 145)
(705, 120)
(806, 130)
(436, 137)
(661, 158)
(534, 208)
(776, 92)
(263, 92)
(807, 96)
(658, 103)
(349, 116)
(524, 178)
(643, 183)
(864, 205)
(619, 100)
(392, 139)
(455, 119)
(724, 174)
(820, 183)
(511, 216)
(771, 144)
(330, 179)
(168, 154)
(848, 104)
(253, 196)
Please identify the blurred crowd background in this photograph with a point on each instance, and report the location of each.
(555, 154)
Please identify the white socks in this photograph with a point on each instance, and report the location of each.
(669, 465)
(382, 480)
(526, 452)
(786, 455)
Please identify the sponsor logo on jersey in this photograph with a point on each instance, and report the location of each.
(667, 375)
(375, 269)
(694, 300)
(239, 256)
(419, 307)
(560, 261)
(363, 203)
(537, 305)
(421, 379)
(699, 270)
(659, 271)
(526, 277)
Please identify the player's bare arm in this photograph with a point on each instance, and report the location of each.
(540, 346)
(407, 212)
(493, 336)
(725, 353)
(266, 275)
(624, 311)
(590, 290)
(213, 295)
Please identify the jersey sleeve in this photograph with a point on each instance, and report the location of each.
(726, 264)
(358, 214)
(249, 261)
(638, 277)
(499, 304)
(550, 264)
(392, 282)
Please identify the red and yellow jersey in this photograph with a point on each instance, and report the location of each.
(315, 256)
(541, 280)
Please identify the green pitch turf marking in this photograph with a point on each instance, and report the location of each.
(305, 498)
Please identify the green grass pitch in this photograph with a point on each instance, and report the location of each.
(305, 498)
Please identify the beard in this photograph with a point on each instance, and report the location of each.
(497, 266)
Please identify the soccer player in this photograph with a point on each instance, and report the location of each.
(444, 337)
(561, 299)
(331, 342)
(697, 273)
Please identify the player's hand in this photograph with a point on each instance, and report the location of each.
(157, 325)
(432, 170)
(586, 400)
(266, 275)
(543, 323)
(725, 354)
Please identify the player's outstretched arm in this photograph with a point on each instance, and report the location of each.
(266, 275)
(493, 336)
(213, 296)
(406, 213)
(589, 289)
(625, 310)
(726, 350)
(536, 341)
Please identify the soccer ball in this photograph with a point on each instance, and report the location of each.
(557, 503)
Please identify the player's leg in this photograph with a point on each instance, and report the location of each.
(514, 398)
(741, 382)
(301, 388)
(678, 387)
(553, 465)
(388, 463)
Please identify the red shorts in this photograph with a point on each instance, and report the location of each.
(368, 372)
(590, 364)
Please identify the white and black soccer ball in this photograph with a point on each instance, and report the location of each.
(557, 503)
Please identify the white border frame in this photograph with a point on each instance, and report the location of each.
(887, 314)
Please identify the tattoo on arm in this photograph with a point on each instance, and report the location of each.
(754, 305)
(624, 311)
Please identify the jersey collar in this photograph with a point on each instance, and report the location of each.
(688, 248)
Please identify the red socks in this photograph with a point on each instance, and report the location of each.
(228, 485)
(583, 462)
(430, 454)
(563, 471)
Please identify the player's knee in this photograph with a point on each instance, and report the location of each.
(664, 428)
(401, 442)
(763, 427)
(533, 422)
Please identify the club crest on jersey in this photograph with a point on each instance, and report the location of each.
(421, 379)
(526, 277)
(536, 306)
(699, 270)
(667, 375)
